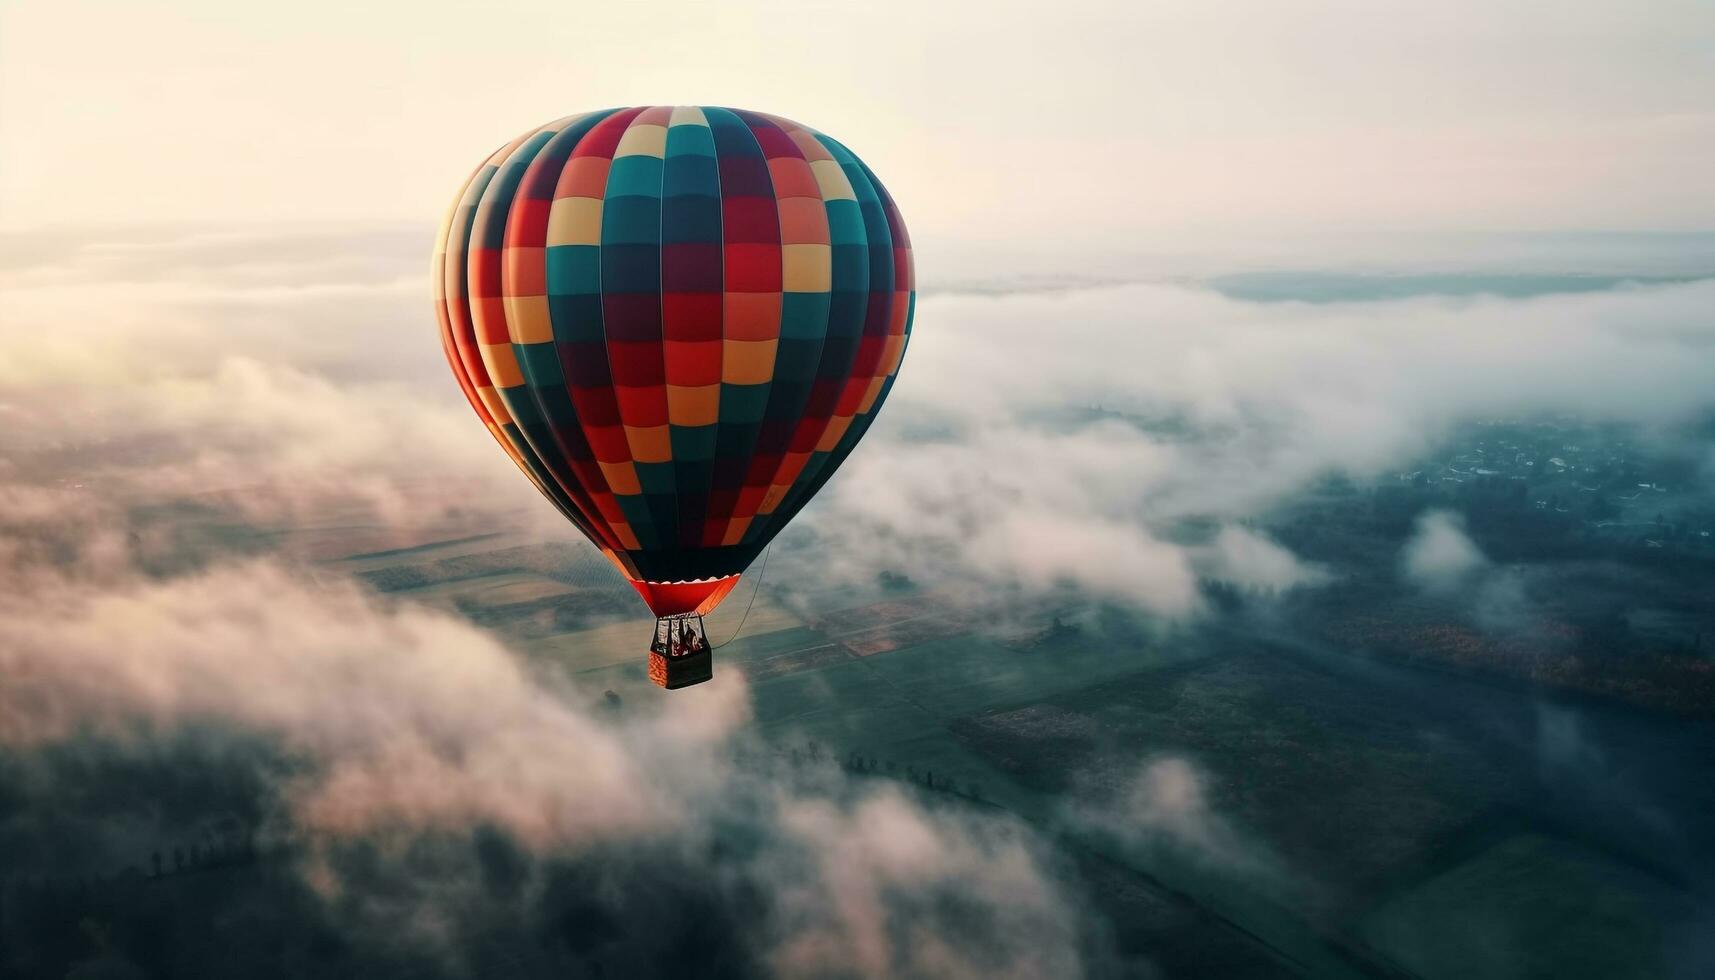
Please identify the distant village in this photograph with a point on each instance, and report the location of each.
(1604, 478)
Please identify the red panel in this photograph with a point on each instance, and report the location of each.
(793, 466)
(852, 395)
(484, 273)
(452, 355)
(720, 502)
(762, 467)
(608, 442)
(491, 325)
(713, 532)
(749, 499)
(775, 143)
(693, 364)
(753, 268)
(596, 409)
(749, 219)
(824, 395)
(685, 598)
(527, 222)
(607, 503)
(464, 341)
(868, 356)
(642, 407)
(691, 316)
(636, 363)
(604, 138)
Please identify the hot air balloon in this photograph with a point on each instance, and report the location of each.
(677, 321)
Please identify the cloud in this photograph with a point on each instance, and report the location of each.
(1035, 438)
(1242, 557)
(136, 304)
(278, 375)
(1163, 811)
(1118, 442)
(413, 717)
(880, 870)
(1037, 441)
(391, 743)
(1439, 556)
(1238, 400)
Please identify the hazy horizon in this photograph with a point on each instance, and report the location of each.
(1102, 122)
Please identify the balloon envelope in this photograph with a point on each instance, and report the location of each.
(677, 322)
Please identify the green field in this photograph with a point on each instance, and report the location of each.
(1376, 808)
(1534, 907)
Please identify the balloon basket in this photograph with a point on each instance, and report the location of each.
(673, 673)
(674, 663)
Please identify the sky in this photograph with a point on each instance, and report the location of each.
(1008, 131)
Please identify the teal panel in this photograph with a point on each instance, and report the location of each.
(743, 403)
(804, 316)
(574, 269)
(634, 177)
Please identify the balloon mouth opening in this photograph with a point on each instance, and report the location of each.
(693, 597)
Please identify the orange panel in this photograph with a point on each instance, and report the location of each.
(748, 362)
(803, 221)
(752, 316)
(699, 405)
(650, 444)
(793, 178)
(622, 479)
(584, 177)
(735, 531)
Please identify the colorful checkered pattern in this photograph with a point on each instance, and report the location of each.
(677, 320)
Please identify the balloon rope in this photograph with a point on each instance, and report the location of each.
(746, 617)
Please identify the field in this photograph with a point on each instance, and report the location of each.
(1327, 785)
(1358, 797)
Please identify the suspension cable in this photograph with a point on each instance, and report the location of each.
(746, 617)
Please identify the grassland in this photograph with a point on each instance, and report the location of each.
(1375, 805)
